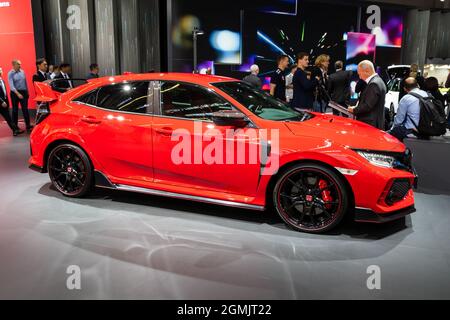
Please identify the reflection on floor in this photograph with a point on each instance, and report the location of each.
(134, 246)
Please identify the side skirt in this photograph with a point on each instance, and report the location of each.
(101, 181)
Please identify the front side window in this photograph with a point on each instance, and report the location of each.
(126, 97)
(182, 100)
(260, 103)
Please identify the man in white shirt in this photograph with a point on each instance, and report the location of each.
(289, 84)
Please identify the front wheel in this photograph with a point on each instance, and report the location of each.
(70, 170)
(311, 198)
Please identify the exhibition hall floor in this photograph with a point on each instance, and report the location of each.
(132, 246)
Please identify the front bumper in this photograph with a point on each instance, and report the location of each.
(367, 215)
(36, 168)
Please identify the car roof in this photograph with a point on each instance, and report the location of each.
(170, 76)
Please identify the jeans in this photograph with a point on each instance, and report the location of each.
(15, 101)
(400, 132)
(320, 106)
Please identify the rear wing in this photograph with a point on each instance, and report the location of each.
(50, 90)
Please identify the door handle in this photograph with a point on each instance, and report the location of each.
(91, 120)
(166, 131)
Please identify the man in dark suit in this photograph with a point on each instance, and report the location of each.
(4, 107)
(304, 84)
(42, 67)
(94, 70)
(371, 103)
(339, 86)
(63, 86)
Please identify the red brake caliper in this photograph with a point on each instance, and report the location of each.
(326, 194)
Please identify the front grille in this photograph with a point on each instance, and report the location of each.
(398, 191)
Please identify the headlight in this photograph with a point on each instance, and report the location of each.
(377, 159)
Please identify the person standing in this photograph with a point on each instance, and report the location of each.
(447, 83)
(320, 71)
(304, 84)
(64, 71)
(339, 86)
(4, 106)
(19, 94)
(94, 71)
(371, 103)
(413, 73)
(432, 86)
(278, 79)
(54, 72)
(289, 84)
(253, 79)
(41, 74)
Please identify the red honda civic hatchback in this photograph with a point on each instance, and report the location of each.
(218, 140)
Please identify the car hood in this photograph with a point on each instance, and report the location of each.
(395, 72)
(346, 132)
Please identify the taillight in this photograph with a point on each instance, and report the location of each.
(43, 111)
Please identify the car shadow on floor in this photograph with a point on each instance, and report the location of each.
(221, 215)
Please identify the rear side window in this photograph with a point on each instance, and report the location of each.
(88, 98)
(127, 97)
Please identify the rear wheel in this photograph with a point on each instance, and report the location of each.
(70, 170)
(311, 198)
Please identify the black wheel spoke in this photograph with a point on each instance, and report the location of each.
(295, 203)
(325, 212)
(302, 217)
(296, 184)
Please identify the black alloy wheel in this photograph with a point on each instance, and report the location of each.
(70, 170)
(311, 198)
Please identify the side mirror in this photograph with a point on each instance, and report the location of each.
(230, 118)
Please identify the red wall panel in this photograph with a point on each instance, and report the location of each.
(17, 39)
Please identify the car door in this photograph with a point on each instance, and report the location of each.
(116, 125)
(182, 137)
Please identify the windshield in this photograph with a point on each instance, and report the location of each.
(261, 103)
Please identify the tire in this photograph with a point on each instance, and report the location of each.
(70, 170)
(311, 198)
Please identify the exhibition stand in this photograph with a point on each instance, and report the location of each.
(431, 161)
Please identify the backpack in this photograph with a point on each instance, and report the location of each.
(433, 121)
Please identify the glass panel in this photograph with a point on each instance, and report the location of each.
(190, 101)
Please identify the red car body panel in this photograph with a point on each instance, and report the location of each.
(133, 149)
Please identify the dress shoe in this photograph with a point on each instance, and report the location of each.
(17, 132)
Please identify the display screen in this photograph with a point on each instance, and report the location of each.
(221, 41)
(267, 35)
(238, 34)
(390, 32)
(360, 46)
(287, 7)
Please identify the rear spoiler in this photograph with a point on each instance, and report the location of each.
(50, 90)
(44, 92)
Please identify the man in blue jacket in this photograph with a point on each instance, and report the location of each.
(303, 84)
